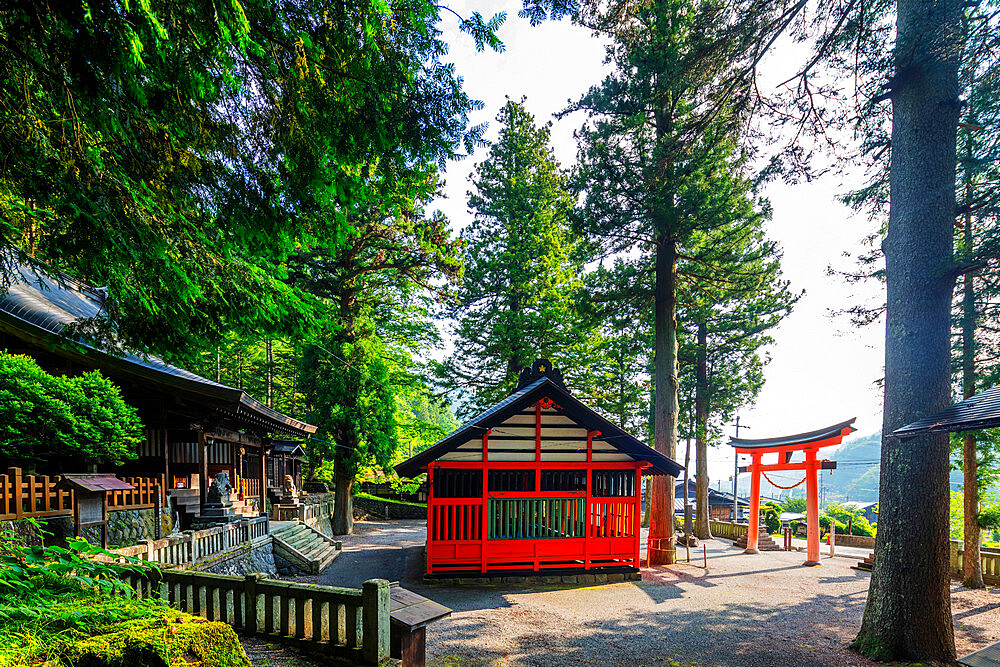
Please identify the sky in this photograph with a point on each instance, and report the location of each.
(822, 369)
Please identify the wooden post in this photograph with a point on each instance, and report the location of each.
(234, 477)
(833, 535)
(430, 518)
(168, 482)
(812, 509)
(483, 532)
(375, 620)
(263, 476)
(636, 513)
(202, 468)
(754, 527)
(250, 596)
(14, 475)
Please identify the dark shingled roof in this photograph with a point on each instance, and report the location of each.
(798, 439)
(976, 412)
(38, 305)
(524, 397)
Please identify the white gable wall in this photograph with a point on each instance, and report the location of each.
(557, 429)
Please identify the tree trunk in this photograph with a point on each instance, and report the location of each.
(908, 613)
(972, 568)
(645, 502)
(701, 526)
(661, 548)
(343, 507)
(269, 362)
(687, 511)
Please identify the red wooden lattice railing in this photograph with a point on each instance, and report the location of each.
(23, 496)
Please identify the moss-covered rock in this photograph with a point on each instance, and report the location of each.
(176, 638)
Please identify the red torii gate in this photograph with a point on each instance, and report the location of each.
(785, 447)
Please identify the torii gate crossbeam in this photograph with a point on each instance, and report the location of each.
(785, 446)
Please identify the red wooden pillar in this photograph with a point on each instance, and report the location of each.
(637, 514)
(754, 505)
(587, 523)
(812, 508)
(429, 554)
(486, 501)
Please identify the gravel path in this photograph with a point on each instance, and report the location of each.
(743, 610)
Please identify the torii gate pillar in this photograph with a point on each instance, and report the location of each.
(754, 528)
(812, 508)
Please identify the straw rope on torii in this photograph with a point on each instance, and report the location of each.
(784, 447)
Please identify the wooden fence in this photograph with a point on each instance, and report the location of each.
(23, 496)
(142, 495)
(195, 546)
(32, 496)
(249, 487)
(348, 622)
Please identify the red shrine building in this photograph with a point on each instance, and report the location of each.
(537, 482)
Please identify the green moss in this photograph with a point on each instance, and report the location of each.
(69, 625)
(159, 642)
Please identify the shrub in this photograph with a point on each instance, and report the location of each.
(771, 520)
(50, 418)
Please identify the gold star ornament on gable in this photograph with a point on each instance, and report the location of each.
(541, 369)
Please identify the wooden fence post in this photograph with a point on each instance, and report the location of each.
(14, 475)
(250, 596)
(375, 620)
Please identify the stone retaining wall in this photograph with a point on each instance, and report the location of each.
(247, 559)
(125, 527)
(390, 510)
(860, 541)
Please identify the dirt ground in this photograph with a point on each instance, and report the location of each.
(742, 610)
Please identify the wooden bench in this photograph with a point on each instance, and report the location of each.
(409, 616)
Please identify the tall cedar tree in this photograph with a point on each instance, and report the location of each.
(178, 152)
(653, 164)
(374, 290)
(977, 250)
(522, 266)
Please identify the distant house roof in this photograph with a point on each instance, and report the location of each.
(39, 304)
(798, 439)
(290, 447)
(856, 505)
(976, 412)
(715, 497)
(527, 395)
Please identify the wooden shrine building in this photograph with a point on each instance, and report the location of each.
(537, 482)
(195, 427)
(786, 447)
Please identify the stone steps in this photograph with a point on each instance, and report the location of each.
(764, 541)
(867, 564)
(304, 547)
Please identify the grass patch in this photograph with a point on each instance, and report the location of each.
(388, 500)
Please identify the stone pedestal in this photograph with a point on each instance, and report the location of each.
(218, 509)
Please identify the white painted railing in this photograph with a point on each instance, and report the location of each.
(193, 546)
